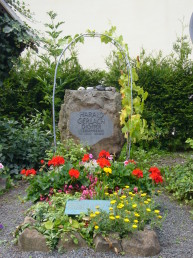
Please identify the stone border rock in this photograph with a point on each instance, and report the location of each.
(141, 243)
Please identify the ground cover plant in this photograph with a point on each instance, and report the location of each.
(179, 179)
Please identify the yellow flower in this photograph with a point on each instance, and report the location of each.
(134, 205)
(92, 215)
(134, 226)
(115, 193)
(131, 198)
(127, 186)
(143, 194)
(148, 209)
(97, 212)
(117, 217)
(126, 220)
(130, 193)
(159, 217)
(106, 193)
(146, 202)
(120, 206)
(133, 194)
(96, 227)
(97, 207)
(110, 208)
(113, 202)
(111, 194)
(123, 197)
(111, 217)
(149, 200)
(107, 170)
(157, 211)
(137, 214)
(136, 221)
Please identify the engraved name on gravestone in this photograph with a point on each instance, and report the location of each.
(90, 126)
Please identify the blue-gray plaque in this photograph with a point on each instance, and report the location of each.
(90, 126)
(75, 207)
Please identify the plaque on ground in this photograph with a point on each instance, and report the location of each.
(90, 126)
(75, 207)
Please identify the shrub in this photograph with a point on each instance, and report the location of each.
(168, 81)
(23, 145)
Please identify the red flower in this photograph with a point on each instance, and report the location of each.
(74, 173)
(56, 161)
(42, 161)
(103, 162)
(32, 172)
(23, 172)
(129, 161)
(137, 172)
(155, 175)
(85, 158)
(28, 172)
(104, 154)
(154, 170)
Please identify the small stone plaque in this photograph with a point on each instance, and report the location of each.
(90, 126)
(75, 207)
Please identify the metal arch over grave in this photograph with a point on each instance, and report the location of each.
(128, 66)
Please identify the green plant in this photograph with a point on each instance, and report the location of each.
(190, 141)
(69, 149)
(51, 219)
(56, 178)
(23, 145)
(179, 181)
(128, 212)
(14, 37)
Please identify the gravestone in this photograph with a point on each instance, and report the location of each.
(93, 118)
(75, 207)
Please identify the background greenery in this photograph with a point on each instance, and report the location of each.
(26, 90)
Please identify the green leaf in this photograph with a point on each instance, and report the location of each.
(7, 29)
(49, 224)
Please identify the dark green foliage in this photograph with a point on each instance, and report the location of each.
(13, 39)
(169, 83)
(22, 145)
(30, 83)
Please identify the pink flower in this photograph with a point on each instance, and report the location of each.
(90, 156)
(1, 166)
(135, 189)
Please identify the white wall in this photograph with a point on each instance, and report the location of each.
(151, 24)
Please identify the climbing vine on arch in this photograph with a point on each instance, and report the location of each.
(134, 126)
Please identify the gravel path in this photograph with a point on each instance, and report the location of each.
(176, 235)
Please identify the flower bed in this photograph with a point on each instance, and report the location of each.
(128, 187)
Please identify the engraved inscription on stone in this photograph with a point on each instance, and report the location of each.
(90, 126)
(75, 207)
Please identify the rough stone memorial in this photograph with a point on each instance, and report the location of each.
(92, 118)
